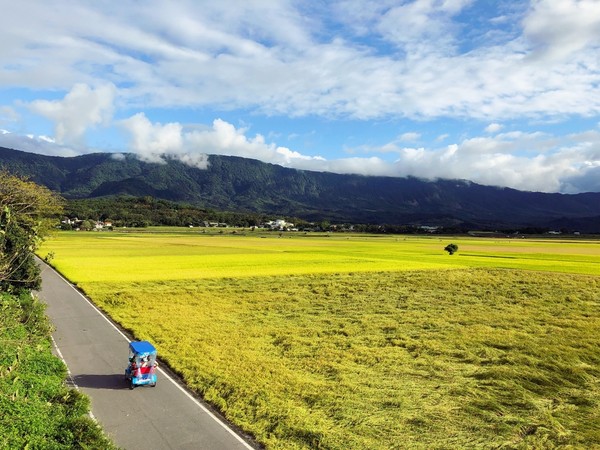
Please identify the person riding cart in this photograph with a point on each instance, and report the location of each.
(141, 369)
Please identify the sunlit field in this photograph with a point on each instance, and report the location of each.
(110, 257)
(355, 341)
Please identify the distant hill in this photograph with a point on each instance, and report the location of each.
(247, 185)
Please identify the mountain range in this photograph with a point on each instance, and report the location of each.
(241, 184)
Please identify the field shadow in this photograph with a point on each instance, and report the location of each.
(95, 381)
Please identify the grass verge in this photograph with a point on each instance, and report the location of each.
(38, 411)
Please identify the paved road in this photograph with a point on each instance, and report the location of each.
(95, 351)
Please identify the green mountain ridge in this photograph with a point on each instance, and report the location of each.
(241, 184)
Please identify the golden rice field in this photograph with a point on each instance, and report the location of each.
(364, 342)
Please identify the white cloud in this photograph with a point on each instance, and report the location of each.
(81, 108)
(35, 144)
(281, 58)
(559, 28)
(118, 156)
(153, 141)
(360, 166)
(526, 161)
(410, 136)
(421, 26)
(46, 139)
(149, 141)
(380, 60)
(493, 128)
(531, 161)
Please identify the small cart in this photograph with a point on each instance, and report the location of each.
(141, 369)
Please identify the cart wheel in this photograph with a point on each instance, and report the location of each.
(153, 384)
(131, 386)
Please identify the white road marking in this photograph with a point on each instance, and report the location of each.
(70, 379)
(200, 405)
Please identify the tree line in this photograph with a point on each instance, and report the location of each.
(134, 212)
(124, 211)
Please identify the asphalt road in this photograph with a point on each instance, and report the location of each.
(163, 417)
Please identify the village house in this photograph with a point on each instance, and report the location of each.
(280, 225)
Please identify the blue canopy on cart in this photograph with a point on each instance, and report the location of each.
(141, 347)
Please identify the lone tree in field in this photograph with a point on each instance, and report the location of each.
(451, 248)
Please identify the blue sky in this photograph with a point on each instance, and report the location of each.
(503, 93)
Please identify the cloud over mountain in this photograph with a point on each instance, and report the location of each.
(355, 86)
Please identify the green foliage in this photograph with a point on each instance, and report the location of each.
(135, 212)
(451, 249)
(38, 410)
(27, 213)
(18, 269)
(87, 225)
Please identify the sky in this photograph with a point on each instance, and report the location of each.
(503, 93)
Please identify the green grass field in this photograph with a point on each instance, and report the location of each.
(352, 342)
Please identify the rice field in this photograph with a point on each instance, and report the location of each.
(354, 341)
(191, 256)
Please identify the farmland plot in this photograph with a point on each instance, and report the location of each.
(359, 342)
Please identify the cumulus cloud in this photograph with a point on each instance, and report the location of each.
(526, 161)
(82, 108)
(559, 28)
(286, 58)
(153, 141)
(532, 161)
(149, 141)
